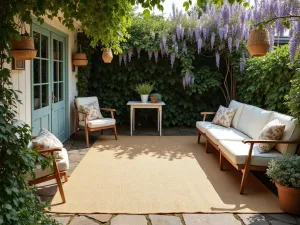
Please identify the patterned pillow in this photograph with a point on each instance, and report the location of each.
(274, 130)
(224, 116)
(46, 140)
(92, 110)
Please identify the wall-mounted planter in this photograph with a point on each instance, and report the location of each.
(258, 43)
(107, 55)
(79, 59)
(23, 49)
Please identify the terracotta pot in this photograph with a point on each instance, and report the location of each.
(153, 100)
(259, 42)
(23, 49)
(79, 59)
(107, 55)
(289, 199)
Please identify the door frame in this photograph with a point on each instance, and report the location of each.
(66, 91)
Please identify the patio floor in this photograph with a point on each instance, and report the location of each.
(77, 150)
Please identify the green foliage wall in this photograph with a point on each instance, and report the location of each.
(266, 81)
(114, 86)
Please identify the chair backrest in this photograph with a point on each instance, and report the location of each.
(85, 101)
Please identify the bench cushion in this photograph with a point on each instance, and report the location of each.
(237, 152)
(63, 165)
(291, 132)
(239, 106)
(104, 122)
(253, 120)
(203, 125)
(217, 133)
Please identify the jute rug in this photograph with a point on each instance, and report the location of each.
(142, 175)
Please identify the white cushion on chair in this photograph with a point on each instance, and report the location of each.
(99, 123)
(63, 165)
(85, 101)
(237, 152)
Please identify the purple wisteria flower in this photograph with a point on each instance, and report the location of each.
(242, 63)
(205, 33)
(197, 33)
(130, 54)
(161, 49)
(156, 56)
(182, 33)
(229, 41)
(125, 59)
(164, 41)
(225, 31)
(212, 40)
(199, 45)
(120, 59)
(226, 13)
(178, 31)
(166, 50)
(172, 59)
(218, 59)
(138, 50)
(221, 33)
(150, 53)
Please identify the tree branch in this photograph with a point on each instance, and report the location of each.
(275, 18)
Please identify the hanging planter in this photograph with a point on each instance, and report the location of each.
(107, 55)
(23, 49)
(80, 59)
(258, 43)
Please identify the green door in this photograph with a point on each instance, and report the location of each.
(48, 82)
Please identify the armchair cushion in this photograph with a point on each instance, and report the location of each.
(92, 110)
(104, 122)
(63, 165)
(237, 152)
(85, 101)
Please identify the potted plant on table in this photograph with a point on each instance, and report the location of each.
(285, 173)
(144, 90)
(155, 97)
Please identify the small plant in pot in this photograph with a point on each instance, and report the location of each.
(155, 97)
(144, 90)
(285, 173)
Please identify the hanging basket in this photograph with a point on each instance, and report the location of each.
(107, 55)
(258, 43)
(23, 49)
(79, 59)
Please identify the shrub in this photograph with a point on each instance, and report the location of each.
(285, 170)
(144, 89)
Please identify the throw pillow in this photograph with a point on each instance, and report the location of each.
(45, 140)
(92, 110)
(224, 116)
(274, 130)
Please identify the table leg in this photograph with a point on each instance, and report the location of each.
(160, 120)
(157, 119)
(131, 112)
(133, 119)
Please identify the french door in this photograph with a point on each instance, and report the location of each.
(49, 83)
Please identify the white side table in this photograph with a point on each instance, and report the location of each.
(139, 105)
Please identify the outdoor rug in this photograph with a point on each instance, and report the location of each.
(149, 174)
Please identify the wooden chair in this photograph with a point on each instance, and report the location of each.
(93, 125)
(59, 170)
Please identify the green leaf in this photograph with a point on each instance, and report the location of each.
(146, 13)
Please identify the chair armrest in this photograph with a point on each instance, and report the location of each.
(271, 141)
(207, 113)
(50, 150)
(108, 109)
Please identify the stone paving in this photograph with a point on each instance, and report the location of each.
(77, 150)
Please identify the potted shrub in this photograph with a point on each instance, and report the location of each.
(144, 90)
(285, 173)
(155, 97)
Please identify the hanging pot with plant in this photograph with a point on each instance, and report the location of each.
(23, 47)
(285, 172)
(107, 55)
(79, 58)
(144, 90)
(259, 42)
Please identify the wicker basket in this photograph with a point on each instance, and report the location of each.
(107, 55)
(79, 59)
(23, 49)
(258, 43)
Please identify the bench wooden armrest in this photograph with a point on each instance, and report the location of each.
(271, 141)
(207, 113)
(49, 150)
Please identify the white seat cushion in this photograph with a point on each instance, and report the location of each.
(85, 101)
(203, 125)
(253, 120)
(291, 133)
(99, 123)
(63, 165)
(237, 152)
(239, 106)
(217, 133)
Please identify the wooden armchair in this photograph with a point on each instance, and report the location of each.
(59, 170)
(93, 125)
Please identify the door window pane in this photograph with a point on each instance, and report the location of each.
(45, 95)
(37, 99)
(55, 49)
(56, 92)
(36, 71)
(55, 71)
(44, 71)
(61, 48)
(61, 91)
(44, 46)
(61, 71)
(36, 38)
